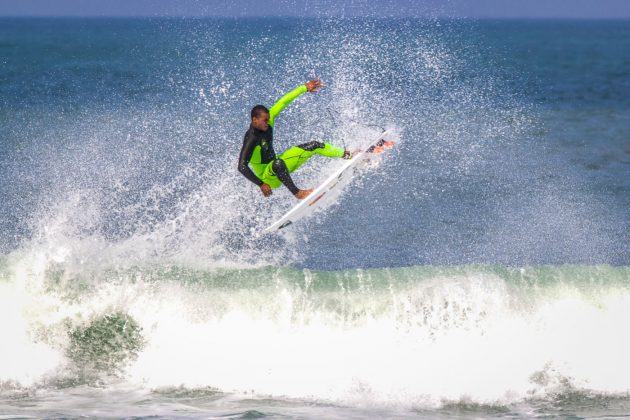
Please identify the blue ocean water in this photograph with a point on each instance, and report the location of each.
(480, 270)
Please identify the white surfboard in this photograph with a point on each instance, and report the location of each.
(328, 190)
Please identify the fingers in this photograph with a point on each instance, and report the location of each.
(314, 85)
(266, 190)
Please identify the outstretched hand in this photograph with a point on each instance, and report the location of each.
(314, 85)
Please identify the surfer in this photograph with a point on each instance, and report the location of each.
(271, 171)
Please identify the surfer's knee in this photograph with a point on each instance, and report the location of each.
(279, 166)
(312, 145)
(281, 170)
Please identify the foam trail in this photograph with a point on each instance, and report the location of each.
(364, 339)
(438, 340)
(415, 336)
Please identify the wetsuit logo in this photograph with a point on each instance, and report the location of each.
(263, 143)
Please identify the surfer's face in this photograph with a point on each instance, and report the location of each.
(261, 122)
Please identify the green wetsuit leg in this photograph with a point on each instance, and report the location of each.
(296, 156)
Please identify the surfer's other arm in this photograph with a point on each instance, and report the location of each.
(243, 160)
(249, 143)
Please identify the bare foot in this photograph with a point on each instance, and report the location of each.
(302, 194)
(388, 144)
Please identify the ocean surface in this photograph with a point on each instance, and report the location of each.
(479, 269)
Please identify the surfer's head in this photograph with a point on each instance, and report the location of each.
(260, 117)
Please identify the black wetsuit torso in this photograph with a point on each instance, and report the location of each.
(255, 137)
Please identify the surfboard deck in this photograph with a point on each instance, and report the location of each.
(328, 189)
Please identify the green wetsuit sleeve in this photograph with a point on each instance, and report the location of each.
(283, 102)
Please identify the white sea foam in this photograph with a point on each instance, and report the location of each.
(466, 338)
(415, 336)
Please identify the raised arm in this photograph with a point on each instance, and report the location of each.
(310, 86)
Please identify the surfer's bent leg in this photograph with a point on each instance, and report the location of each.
(297, 155)
(311, 146)
(282, 172)
(324, 149)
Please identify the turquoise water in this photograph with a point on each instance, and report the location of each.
(481, 270)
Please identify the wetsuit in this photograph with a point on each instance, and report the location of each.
(258, 152)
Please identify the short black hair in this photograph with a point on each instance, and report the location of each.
(259, 109)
